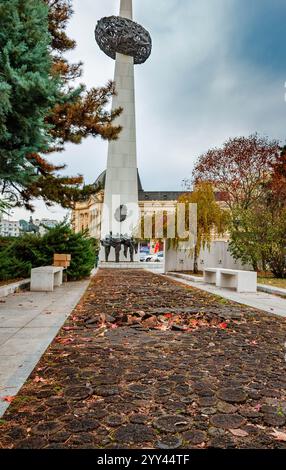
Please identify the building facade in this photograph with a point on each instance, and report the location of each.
(87, 215)
(9, 228)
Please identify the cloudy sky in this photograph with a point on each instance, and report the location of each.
(218, 69)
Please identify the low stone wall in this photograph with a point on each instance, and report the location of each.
(217, 256)
(14, 287)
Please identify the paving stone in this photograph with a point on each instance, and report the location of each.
(232, 395)
(171, 442)
(227, 408)
(227, 421)
(78, 393)
(172, 423)
(275, 419)
(48, 427)
(114, 420)
(84, 423)
(134, 433)
(194, 437)
(106, 391)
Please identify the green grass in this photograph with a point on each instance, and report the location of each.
(271, 281)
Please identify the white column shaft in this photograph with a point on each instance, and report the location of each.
(121, 185)
(126, 9)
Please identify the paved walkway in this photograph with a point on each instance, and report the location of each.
(262, 301)
(144, 362)
(29, 321)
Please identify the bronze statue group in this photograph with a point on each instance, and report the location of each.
(117, 242)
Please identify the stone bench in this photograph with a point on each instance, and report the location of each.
(212, 276)
(45, 278)
(242, 281)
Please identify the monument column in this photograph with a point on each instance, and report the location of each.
(128, 43)
(126, 9)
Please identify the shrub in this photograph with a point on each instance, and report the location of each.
(30, 251)
(13, 268)
(62, 239)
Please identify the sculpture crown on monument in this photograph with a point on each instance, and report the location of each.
(120, 34)
(124, 40)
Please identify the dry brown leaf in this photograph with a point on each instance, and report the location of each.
(8, 398)
(39, 379)
(279, 436)
(239, 432)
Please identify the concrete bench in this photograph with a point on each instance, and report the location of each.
(212, 276)
(45, 278)
(242, 281)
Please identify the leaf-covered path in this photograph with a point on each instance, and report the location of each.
(144, 362)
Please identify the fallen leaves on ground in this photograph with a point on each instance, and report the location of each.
(279, 436)
(239, 433)
(8, 398)
(38, 379)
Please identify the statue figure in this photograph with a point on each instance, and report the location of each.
(131, 245)
(116, 244)
(106, 243)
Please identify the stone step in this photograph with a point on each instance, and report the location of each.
(153, 267)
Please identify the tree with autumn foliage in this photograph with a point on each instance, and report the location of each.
(239, 168)
(278, 177)
(258, 232)
(71, 114)
(211, 217)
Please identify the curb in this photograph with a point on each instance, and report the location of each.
(12, 288)
(187, 277)
(271, 290)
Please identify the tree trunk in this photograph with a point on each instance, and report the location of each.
(278, 267)
(264, 264)
(254, 264)
(196, 267)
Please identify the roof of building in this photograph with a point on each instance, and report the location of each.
(100, 182)
(155, 195)
(144, 195)
(160, 195)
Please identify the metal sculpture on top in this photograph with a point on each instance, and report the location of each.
(117, 34)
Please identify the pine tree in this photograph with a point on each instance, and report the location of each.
(40, 107)
(27, 91)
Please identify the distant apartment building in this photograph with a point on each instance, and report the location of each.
(9, 228)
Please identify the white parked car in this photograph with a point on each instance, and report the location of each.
(143, 256)
(156, 257)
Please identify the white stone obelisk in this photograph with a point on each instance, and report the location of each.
(121, 184)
